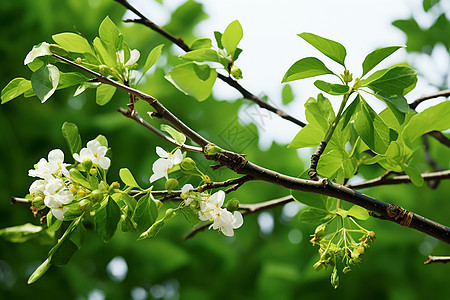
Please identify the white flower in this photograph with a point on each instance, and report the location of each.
(55, 166)
(188, 197)
(95, 152)
(213, 202)
(225, 221)
(134, 57)
(37, 187)
(56, 195)
(163, 164)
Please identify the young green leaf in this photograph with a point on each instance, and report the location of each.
(193, 79)
(152, 58)
(175, 134)
(127, 178)
(413, 174)
(42, 49)
(314, 215)
(70, 79)
(62, 253)
(372, 129)
(45, 81)
(53, 223)
(377, 56)
(394, 81)
(331, 88)
(110, 35)
(349, 113)
(287, 95)
(202, 55)
(15, 88)
(72, 136)
(104, 94)
(102, 140)
(332, 49)
(106, 219)
(201, 44)
(21, 233)
(433, 118)
(358, 212)
(232, 36)
(79, 178)
(319, 112)
(310, 199)
(78, 235)
(305, 68)
(105, 56)
(39, 271)
(308, 136)
(146, 212)
(218, 37)
(73, 42)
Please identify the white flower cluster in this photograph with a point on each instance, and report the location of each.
(54, 178)
(211, 209)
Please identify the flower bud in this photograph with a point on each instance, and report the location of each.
(347, 76)
(170, 213)
(38, 202)
(321, 230)
(73, 188)
(87, 164)
(233, 205)
(188, 164)
(93, 171)
(334, 278)
(152, 231)
(212, 149)
(236, 72)
(96, 196)
(171, 183)
(85, 205)
(115, 185)
(158, 204)
(78, 60)
(103, 186)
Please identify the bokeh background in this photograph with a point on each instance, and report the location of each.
(270, 257)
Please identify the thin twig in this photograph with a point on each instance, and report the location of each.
(437, 259)
(233, 83)
(440, 137)
(381, 181)
(444, 93)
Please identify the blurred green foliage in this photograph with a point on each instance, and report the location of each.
(253, 264)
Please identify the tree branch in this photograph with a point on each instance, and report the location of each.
(444, 93)
(240, 165)
(231, 82)
(437, 259)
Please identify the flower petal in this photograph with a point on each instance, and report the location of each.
(177, 157)
(161, 152)
(56, 155)
(238, 220)
(104, 162)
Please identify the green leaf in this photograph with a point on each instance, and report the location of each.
(15, 88)
(42, 49)
(310, 199)
(349, 113)
(73, 42)
(319, 112)
(397, 104)
(218, 37)
(331, 161)
(146, 212)
(63, 252)
(331, 88)
(191, 215)
(377, 56)
(413, 174)
(102, 140)
(45, 81)
(332, 49)
(308, 136)
(152, 58)
(104, 94)
(21, 233)
(287, 95)
(127, 177)
(232, 36)
(106, 219)
(53, 223)
(110, 35)
(201, 43)
(433, 118)
(106, 56)
(72, 136)
(70, 79)
(175, 134)
(78, 235)
(372, 129)
(314, 215)
(305, 68)
(39, 271)
(358, 212)
(193, 79)
(394, 81)
(79, 178)
(202, 55)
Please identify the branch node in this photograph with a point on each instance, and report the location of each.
(400, 215)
